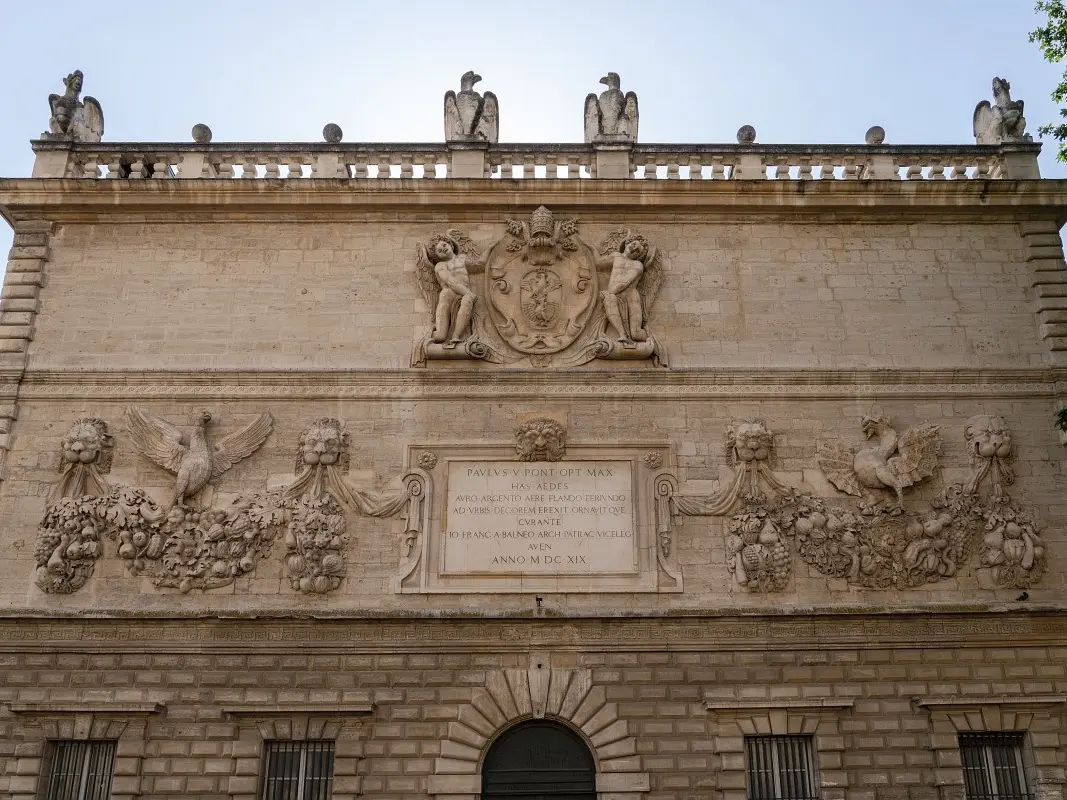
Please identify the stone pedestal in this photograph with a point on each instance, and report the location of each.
(51, 162)
(613, 160)
(1018, 165)
(467, 159)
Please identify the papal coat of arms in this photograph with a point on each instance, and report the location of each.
(540, 292)
(542, 284)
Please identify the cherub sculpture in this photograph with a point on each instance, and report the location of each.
(189, 455)
(895, 463)
(470, 116)
(74, 119)
(86, 458)
(612, 115)
(1003, 121)
(442, 270)
(636, 276)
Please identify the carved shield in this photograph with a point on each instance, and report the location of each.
(540, 299)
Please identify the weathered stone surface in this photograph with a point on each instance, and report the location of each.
(787, 305)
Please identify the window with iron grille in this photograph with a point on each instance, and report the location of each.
(77, 770)
(994, 767)
(780, 768)
(297, 770)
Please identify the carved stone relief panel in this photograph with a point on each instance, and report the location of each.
(539, 293)
(190, 546)
(879, 543)
(541, 515)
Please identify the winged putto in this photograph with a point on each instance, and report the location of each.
(72, 118)
(635, 280)
(441, 266)
(613, 115)
(896, 462)
(188, 454)
(470, 116)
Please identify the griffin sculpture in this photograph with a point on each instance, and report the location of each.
(470, 115)
(73, 118)
(895, 463)
(1002, 121)
(189, 455)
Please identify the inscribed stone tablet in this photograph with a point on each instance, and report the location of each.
(558, 518)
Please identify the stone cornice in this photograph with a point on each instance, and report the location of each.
(99, 707)
(740, 707)
(315, 709)
(173, 200)
(675, 384)
(975, 701)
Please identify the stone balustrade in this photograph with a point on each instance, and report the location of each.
(356, 161)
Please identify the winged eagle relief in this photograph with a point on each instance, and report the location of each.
(894, 463)
(188, 454)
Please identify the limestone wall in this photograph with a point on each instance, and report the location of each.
(804, 323)
(344, 295)
(664, 705)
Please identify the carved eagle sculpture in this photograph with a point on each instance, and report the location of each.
(470, 115)
(896, 462)
(611, 114)
(189, 455)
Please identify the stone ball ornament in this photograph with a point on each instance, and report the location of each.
(746, 134)
(875, 135)
(332, 132)
(201, 133)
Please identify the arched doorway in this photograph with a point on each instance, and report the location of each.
(539, 760)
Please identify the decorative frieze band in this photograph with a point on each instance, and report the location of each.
(679, 385)
(596, 517)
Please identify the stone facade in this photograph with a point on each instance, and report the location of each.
(781, 344)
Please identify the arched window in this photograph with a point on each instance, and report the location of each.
(539, 760)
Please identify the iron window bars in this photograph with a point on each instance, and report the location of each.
(780, 768)
(993, 766)
(297, 770)
(78, 770)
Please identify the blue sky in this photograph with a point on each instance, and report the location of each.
(264, 70)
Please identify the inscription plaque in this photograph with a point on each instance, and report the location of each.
(487, 521)
(558, 518)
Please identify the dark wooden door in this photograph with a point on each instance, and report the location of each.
(539, 760)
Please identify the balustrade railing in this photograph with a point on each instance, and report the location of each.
(243, 161)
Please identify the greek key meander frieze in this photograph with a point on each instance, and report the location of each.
(133, 386)
(544, 514)
(325, 634)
